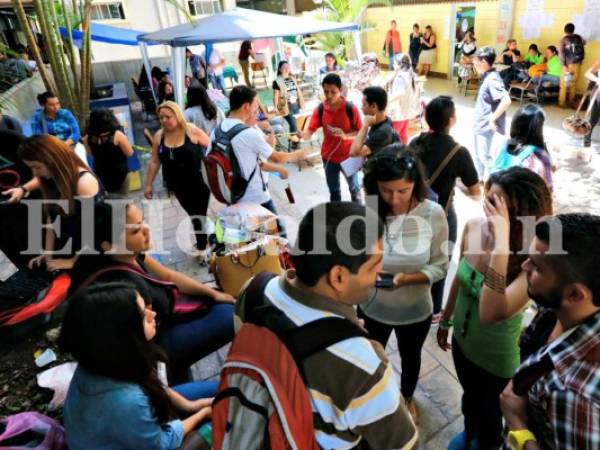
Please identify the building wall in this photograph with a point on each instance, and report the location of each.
(438, 15)
(561, 12)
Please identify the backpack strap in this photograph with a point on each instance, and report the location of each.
(302, 341)
(121, 268)
(349, 112)
(443, 164)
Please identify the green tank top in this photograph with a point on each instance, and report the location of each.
(494, 348)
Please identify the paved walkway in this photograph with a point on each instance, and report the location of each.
(438, 392)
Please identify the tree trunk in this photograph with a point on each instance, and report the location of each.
(71, 46)
(86, 63)
(33, 45)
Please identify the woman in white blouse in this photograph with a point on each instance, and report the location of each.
(416, 233)
(201, 110)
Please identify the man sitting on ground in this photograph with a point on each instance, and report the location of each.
(354, 393)
(377, 131)
(552, 402)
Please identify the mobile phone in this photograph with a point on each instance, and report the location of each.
(384, 280)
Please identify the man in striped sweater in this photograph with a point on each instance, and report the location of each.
(355, 398)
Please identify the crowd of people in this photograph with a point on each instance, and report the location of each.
(135, 326)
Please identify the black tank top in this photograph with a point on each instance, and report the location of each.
(425, 47)
(181, 165)
(110, 164)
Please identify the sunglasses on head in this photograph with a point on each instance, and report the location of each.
(402, 162)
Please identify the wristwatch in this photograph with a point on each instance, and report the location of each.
(26, 191)
(518, 438)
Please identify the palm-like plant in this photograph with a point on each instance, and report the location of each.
(71, 71)
(344, 11)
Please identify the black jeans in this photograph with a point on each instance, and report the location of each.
(480, 400)
(194, 200)
(437, 289)
(594, 119)
(410, 343)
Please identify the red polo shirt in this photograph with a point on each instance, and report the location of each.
(334, 148)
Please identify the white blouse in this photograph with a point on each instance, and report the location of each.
(413, 242)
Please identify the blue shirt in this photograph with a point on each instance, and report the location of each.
(105, 414)
(490, 94)
(64, 127)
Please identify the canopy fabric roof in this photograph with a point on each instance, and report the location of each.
(108, 34)
(239, 24)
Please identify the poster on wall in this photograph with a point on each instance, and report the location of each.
(534, 19)
(586, 23)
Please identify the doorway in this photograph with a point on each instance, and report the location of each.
(464, 20)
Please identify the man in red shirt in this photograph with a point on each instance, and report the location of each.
(392, 45)
(340, 121)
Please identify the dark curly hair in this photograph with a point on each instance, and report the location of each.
(394, 162)
(528, 195)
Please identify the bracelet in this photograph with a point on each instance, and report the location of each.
(495, 281)
(446, 324)
(26, 191)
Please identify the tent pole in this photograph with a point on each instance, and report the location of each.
(144, 51)
(280, 56)
(177, 58)
(357, 44)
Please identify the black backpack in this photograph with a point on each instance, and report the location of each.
(576, 48)
(349, 112)
(221, 169)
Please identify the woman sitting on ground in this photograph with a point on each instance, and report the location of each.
(201, 110)
(487, 298)
(61, 175)
(117, 398)
(186, 338)
(109, 146)
(526, 146)
(55, 120)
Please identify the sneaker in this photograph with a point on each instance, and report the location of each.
(411, 406)
(202, 257)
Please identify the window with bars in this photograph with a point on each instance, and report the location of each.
(108, 11)
(198, 7)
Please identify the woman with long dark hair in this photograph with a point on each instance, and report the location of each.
(287, 96)
(415, 233)
(178, 147)
(117, 398)
(187, 337)
(109, 146)
(201, 110)
(487, 298)
(527, 146)
(61, 175)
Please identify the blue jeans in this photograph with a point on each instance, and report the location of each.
(196, 390)
(549, 79)
(437, 289)
(218, 82)
(271, 207)
(483, 153)
(332, 175)
(192, 340)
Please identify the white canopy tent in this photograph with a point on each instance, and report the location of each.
(237, 24)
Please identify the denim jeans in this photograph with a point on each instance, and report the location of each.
(332, 175)
(291, 118)
(483, 153)
(218, 82)
(437, 289)
(196, 390)
(550, 79)
(192, 340)
(270, 205)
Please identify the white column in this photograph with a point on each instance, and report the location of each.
(177, 64)
(144, 51)
(357, 44)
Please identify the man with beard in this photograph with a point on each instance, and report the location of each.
(553, 401)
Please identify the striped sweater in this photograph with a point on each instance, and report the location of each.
(354, 393)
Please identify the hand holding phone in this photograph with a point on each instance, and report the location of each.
(384, 280)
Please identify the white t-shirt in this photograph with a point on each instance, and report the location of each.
(196, 116)
(249, 147)
(215, 61)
